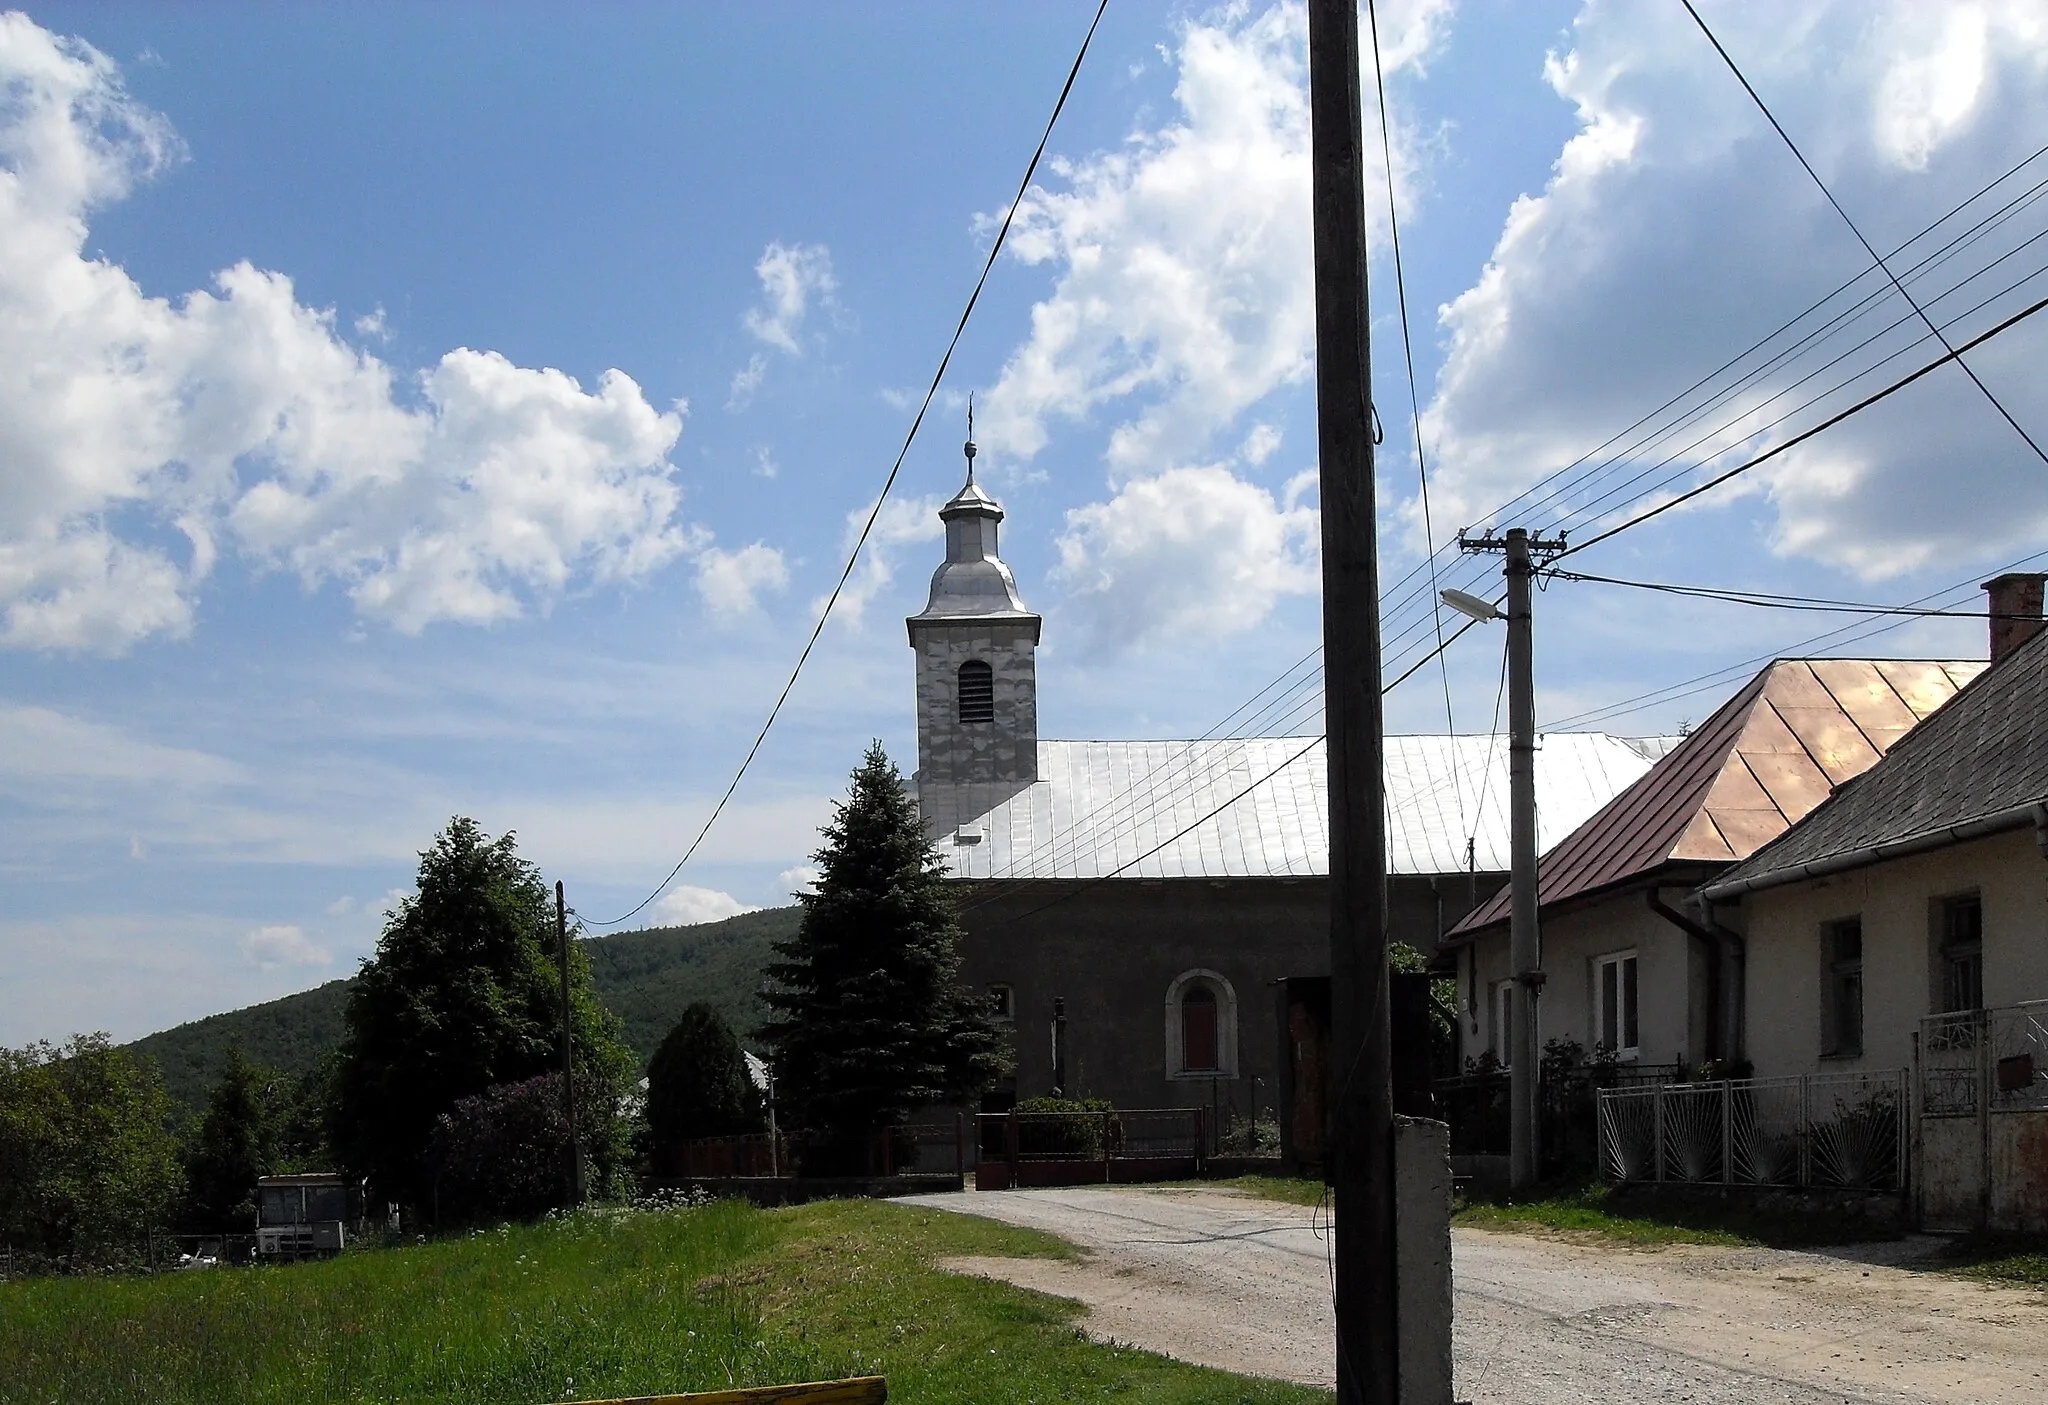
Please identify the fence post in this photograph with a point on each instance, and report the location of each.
(1201, 1137)
(1105, 1148)
(1902, 1167)
(1659, 1102)
(1984, 1085)
(1010, 1135)
(1805, 1134)
(1727, 1132)
(960, 1146)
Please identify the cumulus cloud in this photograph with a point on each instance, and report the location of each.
(732, 582)
(1182, 293)
(794, 278)
(140, 435)
(1675, 230)
(903, 521)
(285, 945)
(685, 906)
(1191, 550)
(801, 879)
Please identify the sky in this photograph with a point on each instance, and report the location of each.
(410, 411)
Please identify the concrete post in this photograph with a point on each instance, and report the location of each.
(1422, 1253)
(1523, 1071)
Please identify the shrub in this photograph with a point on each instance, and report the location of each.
(504, 1153)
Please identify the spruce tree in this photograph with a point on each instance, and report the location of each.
(233, 1144)
(870, 1020)
(697, 1083)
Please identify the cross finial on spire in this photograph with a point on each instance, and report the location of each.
(970, 436)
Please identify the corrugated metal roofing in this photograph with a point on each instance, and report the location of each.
(1985, 753)
(1762, 762)
(1102, 805)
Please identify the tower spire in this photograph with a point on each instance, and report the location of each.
(970, 437)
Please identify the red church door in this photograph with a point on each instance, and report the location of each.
(1198, 1029)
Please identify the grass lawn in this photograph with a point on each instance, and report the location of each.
(2021, 1260)
(1294, 1190)
(1650, 1220)
(596, 1305)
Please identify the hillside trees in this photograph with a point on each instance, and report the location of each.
(870, 1020)
(697, 1083)
(87, 1162)
(462, 995)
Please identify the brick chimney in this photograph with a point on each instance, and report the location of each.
(2015, 603)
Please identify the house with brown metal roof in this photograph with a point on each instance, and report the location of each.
(1630, 963)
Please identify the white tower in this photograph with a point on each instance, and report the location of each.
(977, 679)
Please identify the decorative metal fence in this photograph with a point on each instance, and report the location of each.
(1840, 1131)
(1071, 1148)
(1983, 1135)
(1477, 1107)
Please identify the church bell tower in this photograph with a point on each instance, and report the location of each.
(977, 678)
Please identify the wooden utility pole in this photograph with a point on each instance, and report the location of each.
(1360, 1158)
(568, 1053)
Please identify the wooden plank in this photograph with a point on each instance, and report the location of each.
(858, 1390)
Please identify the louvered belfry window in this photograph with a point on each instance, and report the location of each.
(977, 692)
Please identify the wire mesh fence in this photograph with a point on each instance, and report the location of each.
(1839, 1131)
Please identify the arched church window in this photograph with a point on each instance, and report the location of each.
(1198, 1029)
(977, 692)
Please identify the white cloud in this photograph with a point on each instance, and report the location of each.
(765, 465)
(1183, 291)
(902, 522)
(1676, 229)
(285, 945)
(733, 581)
(792, 277)
(684, 906)
(1261, 444)
(801, 879)
(39, 746)
(1189, 550)
(746, 380)
(239, 415)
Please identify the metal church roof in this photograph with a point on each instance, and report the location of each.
(1101, 807)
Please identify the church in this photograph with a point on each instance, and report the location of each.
(1147, 898)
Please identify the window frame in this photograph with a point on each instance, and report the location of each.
(1951, 953)
(1628, 982)
(1228, 1042)
(1841, 1038)
(1002, 999)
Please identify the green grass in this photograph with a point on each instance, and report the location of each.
(1294, 1190)
(2021, 1260)
(596, 1305)
(1648, 1220)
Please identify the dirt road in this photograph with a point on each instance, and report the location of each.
(1226, 1280)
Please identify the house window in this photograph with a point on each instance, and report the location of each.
(1002, 1002)
(1962, 953)
(1504, 1022)
(1198, 1030)
(977, 692)
(1614, 984)
(1842, 1004)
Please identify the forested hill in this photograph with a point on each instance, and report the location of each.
(645, 977)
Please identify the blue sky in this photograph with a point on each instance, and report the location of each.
(414, 410)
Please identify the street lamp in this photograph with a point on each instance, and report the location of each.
(1472, 606)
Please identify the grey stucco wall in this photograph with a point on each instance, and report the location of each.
(1895, 901)
(1003, 750)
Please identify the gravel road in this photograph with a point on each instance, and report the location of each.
(1222, 1279)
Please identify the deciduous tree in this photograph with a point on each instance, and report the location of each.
(463, 995)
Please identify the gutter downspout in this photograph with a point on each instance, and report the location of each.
(1716, 980)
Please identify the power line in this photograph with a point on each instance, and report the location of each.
(1770, 601)
(1865, 403)
(1807, 166)
(889, 482)
(1414, 395)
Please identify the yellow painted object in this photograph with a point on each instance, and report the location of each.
(859, 1390)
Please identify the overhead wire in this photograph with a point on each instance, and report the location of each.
(888, 483)
(1854, 229)
(1772, 601)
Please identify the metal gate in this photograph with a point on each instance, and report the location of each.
(1982, 1084)
(1829, 1131)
